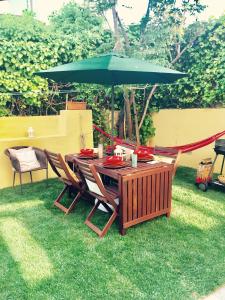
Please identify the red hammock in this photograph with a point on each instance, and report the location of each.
(184, 148)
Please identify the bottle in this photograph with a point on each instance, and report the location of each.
(134, 160)
(100, 150)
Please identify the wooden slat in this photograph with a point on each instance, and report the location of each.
(153, 194)
(130, 200)
(165, 201)
(161, 189)
(149, 193)
(139, 187)
(144, 196)
(145, 218)
(52, 155)
(57, 165)
(169, 191)
(157, 187)
(134, 198)
(88, 175)
(125, 196)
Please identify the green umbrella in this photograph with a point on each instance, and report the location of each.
(112, 69)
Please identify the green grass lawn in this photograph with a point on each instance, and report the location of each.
(47, 255)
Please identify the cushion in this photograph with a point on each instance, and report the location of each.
(27, 159)
(13, 152)
(93, 187)
(102, 208)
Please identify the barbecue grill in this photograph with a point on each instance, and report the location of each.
(220, 147)
(219, 150)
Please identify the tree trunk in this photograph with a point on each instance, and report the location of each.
(117, 45)
(128, 115)
(135, 118)
(121, 124)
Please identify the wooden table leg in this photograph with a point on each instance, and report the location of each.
(123, 231)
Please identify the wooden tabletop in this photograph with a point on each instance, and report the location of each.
(115, 173)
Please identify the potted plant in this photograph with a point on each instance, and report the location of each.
(75, 105)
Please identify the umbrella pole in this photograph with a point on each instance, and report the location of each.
(112, 124)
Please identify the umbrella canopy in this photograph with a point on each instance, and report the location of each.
(111, 69)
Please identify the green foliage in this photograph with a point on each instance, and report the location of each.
(147, 129)
(82, 25)
(22, 28)
(28, 45)
(204, 63)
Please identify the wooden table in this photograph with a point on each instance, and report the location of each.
(144, 192)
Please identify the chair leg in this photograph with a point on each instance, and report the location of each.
(47, 177)
(59, 198)
(31, 178)
(74, 203)
(21, 183)
(101, 233)
(14, 178)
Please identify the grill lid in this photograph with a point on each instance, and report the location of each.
(220, 146)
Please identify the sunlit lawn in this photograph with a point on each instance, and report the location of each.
(47, 255)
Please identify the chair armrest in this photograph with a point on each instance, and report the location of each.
(15, 163)
(41, 157)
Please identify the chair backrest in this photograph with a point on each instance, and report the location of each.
(92, 178)
(167, 152)
(60, 168)
(41, 157)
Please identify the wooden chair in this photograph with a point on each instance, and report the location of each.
(105, 195)
(172, 153)
(16, 165)
(60, 168)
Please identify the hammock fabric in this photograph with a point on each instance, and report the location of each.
(184, 148)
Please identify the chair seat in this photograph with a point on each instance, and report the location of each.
(31, 170)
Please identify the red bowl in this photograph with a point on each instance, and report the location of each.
(87, 151)
(143, 154)
(114, 160)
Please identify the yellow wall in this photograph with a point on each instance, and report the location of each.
(60, 134)
(183, 126)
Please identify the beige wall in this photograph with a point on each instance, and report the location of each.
(60, 134)
(183, 126)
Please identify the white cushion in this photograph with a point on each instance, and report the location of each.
(27, 159)
(101, 207)
(93, 187)
(22, 150)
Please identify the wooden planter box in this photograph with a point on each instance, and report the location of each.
(72, 105)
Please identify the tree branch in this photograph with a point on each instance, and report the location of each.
(127, 43)
(145, 19)
(146, 105)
